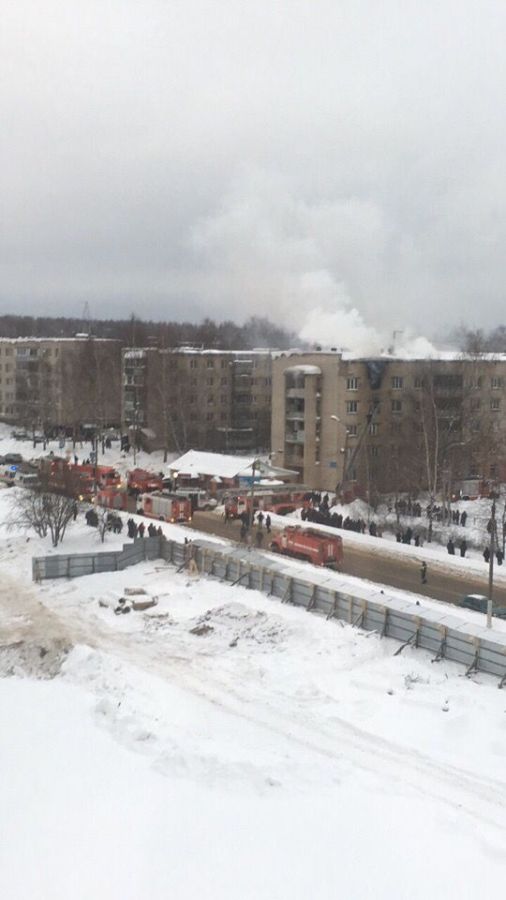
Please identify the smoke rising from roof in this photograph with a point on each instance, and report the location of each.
(271, 250)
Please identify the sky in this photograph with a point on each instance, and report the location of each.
(336, 165)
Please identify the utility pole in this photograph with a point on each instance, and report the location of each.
(252, 492)
(491, 564)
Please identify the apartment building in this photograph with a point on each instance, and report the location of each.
(386, 423)
(53, 383)
(190, 397)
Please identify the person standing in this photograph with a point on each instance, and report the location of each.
(268, 523)
(423, 573)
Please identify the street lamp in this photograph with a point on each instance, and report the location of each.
(494, 496)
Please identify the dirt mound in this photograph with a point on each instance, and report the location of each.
(234, 622)
(24, 658)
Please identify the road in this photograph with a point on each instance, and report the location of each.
(382, 569)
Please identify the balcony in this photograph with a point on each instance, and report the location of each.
(295, 437)
(295, 416)
(297, 393)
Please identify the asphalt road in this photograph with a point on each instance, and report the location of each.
(381, 568)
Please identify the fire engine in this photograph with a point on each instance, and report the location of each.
(314, 546)
(165, 506)
(282, 499)
(140, 481)
(80, 481)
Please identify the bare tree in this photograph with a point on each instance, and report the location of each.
(43, 511)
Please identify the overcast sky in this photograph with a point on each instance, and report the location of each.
(338, 166)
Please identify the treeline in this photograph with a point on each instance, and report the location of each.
(255, 332)
(479, 341)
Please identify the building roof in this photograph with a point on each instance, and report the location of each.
(217, 465)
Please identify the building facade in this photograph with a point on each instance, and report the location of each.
(54, 383)
(187, 397)
(388, 424)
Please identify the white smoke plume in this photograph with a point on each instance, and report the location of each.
(276, 254)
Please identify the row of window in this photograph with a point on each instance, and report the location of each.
(440, 381)
(210, 363)
(396, 406)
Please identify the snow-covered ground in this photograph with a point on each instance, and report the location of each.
(112, 456)
(224, 745)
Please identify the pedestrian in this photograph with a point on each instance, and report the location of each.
(268, 523)
(423, 573)
(417, 540)
(259, 537)
(141, 529)
(499, 556)
(74, 510)
(76, 459)
(463, 519)
(260, 518)
(463, 548)
(451, 547)
(486, 554)
(243, 531)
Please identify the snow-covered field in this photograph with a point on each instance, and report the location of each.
(223, 745)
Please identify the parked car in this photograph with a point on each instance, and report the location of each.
(478, 602)
(11, 459)
(20, 435)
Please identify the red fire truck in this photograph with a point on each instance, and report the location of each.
(140, 481)
(164, 506)
(281, 500)
(314, 546)
(80, 481)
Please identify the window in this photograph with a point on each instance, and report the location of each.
(210, 381)
(224, 380)
(397, 406)
(192, 398)
(223, 399)
(397, 382)
(352, 407)
(495, 404)
(352, 383)
(210, 363)
(375, 451)
(373, 428)
(209, 416)
(396, 427)
(495, 383)
(351, 430)
(223, 416)
(418, 383)
(193, 363)
(210, 398)
(475, 403)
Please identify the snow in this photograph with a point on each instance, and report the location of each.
(220, 465)
(223, 745)
(114, 456)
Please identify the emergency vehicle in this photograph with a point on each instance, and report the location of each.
(164, 506)
(314, 546)
(282, 499)
(140, 481)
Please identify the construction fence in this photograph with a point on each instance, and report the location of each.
(319, 590)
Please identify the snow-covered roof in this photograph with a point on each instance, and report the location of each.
(196, 462)
(78, 338)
